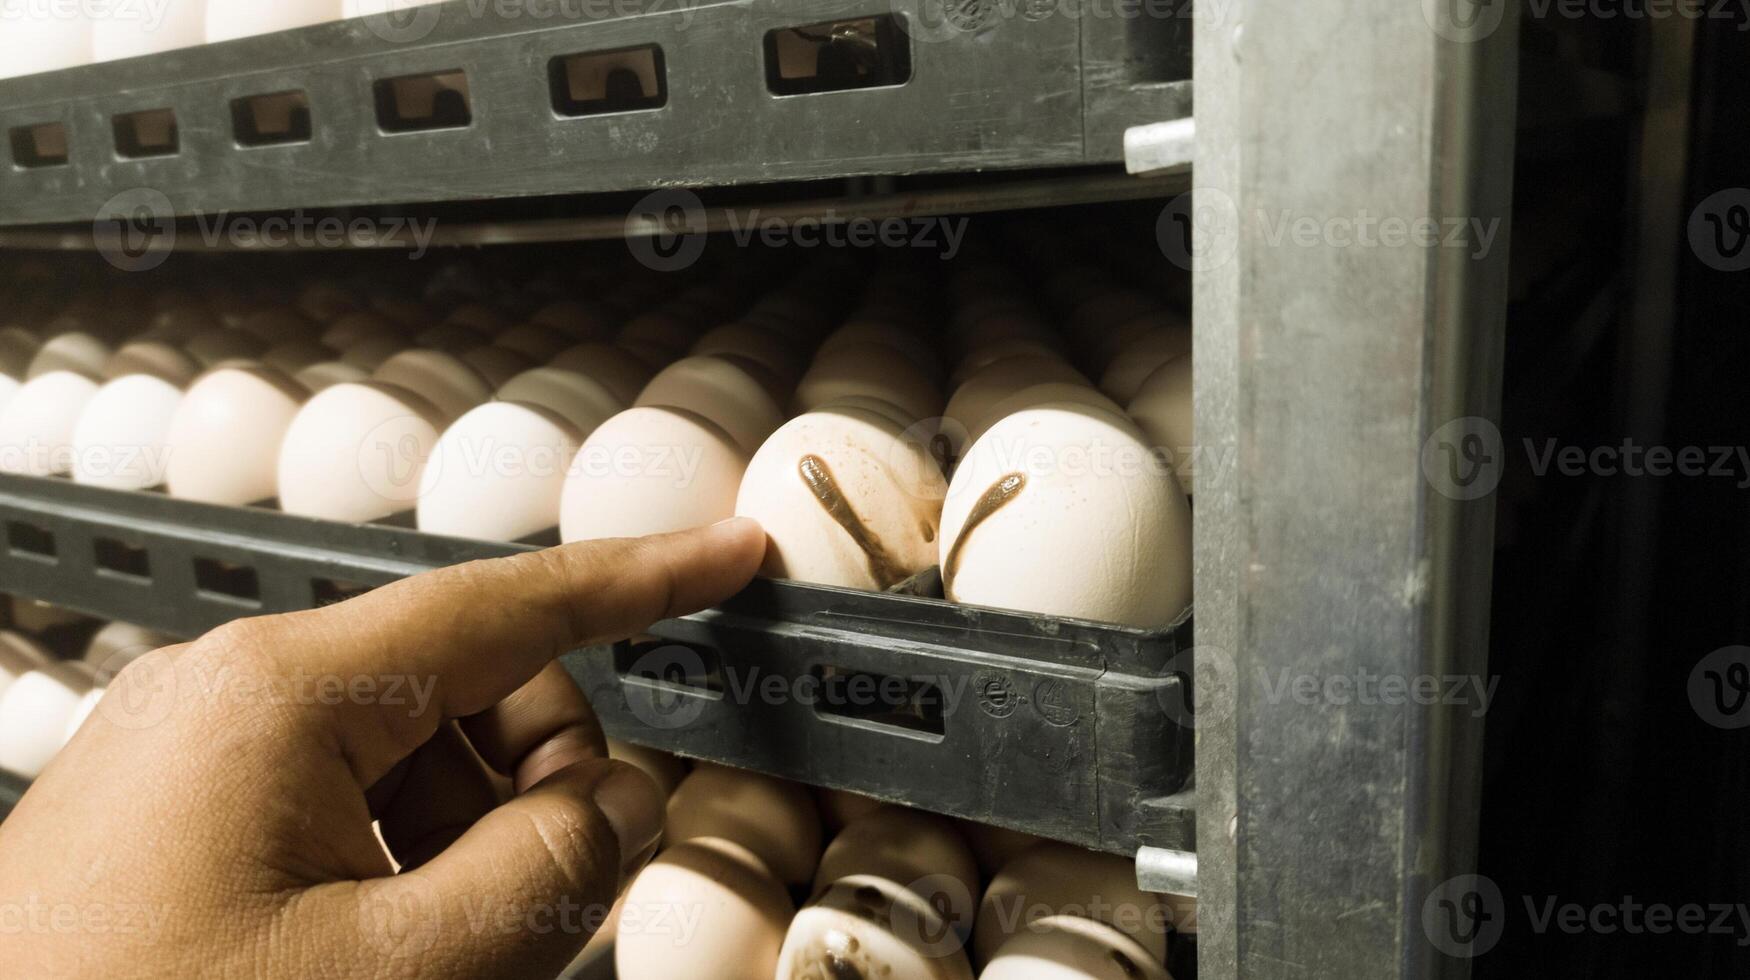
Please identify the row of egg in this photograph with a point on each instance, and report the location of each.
(44, 700)
(890, 892)
(40, 35)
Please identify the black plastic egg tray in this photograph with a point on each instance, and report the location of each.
(1070, 730)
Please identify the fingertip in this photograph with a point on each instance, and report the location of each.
(635, 808)
(742, 533)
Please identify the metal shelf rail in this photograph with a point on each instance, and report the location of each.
(1073, 731)
(469, 101)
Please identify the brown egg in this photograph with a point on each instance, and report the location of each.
(705, 909)
(774, 819)
(1057, 879)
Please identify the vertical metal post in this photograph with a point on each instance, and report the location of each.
(1347, 379)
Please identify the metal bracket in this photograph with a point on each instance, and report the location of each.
(1160, 148)
(1166, 872)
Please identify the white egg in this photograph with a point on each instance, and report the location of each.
(118, 644)
(1057, 879)
(775, 352)
(35, 711)
(294, 356)
(703, 910)
(216, 347)
(496, 474)
(155, 358)
(865, 926)
(921, 851)
(230, 19)
(1063, 509)
(576, 398)
(772, 818)
(1069, 947)
(122, 440)
(44, 37)
(875, 331)
(969, 409)
(720, 391)
(77, 352)
(880, 406)
(330, 373)
(497, 364)
(620, 370)
(175, 24)
(356, 452)
(1163, 410)
(870, 370)
(19, 655)
(225, 439)
(356, 327)
(369, 353)
(18, 347)
(277, 326)
(440, 378)
(452, 337)
(534, 341)
(977, 360)
(1142, 357)
(651, 471)
(846, 499)
(81, 711)
(1032, 396)
(37, 423)
(668, 332)
(8, 387)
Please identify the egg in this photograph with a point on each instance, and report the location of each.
(78, 352)
(1001, 327)
(651, 356)
(995, 846)
(1055, 879)
(651, 471)
(329, 373)
(1063, 509)
(440, 378)
(846, 499)
(720, 391)
(225, 437)
(912, 347)
(19, 655)
(880, 406)
(1141, 357)
(772, 818)
(401, 310)
(18, 347)
(838, 808)
(358, 326)
(118, 644)
(497, 365)
(866, 927)
(230, 19)
(871, 370)
(920, 851)
(1163, 410)
(40, 38)
(38, 617)
(452, 337)
(982, 357)
(667, 332)
(290, 358)
(579, 321)
(370, 353)
(665, 770)
(615, 367)
(496, 474)
(1069, 947)
(8, 387)
(278, 326)
(37, 423)
(705, 910)
(576, 398)
(479, 317)
(324, 300)
(155, 358)
(35, 711)
(356, 452)
(969, 409)
(122, 439)
(216, 347)
(1052, 392)
(767, 347)
(177, 324)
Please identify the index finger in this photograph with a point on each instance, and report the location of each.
(461, 639)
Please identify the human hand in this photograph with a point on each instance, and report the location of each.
(214, 816)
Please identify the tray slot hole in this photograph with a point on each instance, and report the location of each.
(883, 700)
(328, 591)
(600, 82)
(227, 581)
(147, 133)
(274, 119)
(669, 664)
(43, 145)
(119, 558)
(416, 103)
(838, 56)
(30, 541)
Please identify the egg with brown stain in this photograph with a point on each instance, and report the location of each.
(1068, 947)
(868, 928)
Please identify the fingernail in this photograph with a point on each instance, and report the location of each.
(634, 808)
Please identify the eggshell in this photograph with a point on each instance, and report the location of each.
(8, 387)
(533, 341)
(1052, 392)
(442, 379)
(496, 473)
(402, 310)
(579, 321)
(703, 910)
(874, 331)
(371, 353)
(1059, 879)
(37, 423)
(617, 368)
(356, 327)
(35, 38)
(769, 348)
(38, 617)
(218, 346)
(34, 713)
(276, 327)
(322, 301)
(329, 373)
(497, 365)
(453, 338)
(118, 644)
(1163, 410)
(650, 355)
(228, 19)
(920, 851)
(225, 438)
(1004, 326)
(868, 403)
(871, 370)
(970, 406)
(122, 440)
(772, 818)
(839, 808)
(356, 452)
(1069, 947)
(1141, 357)
(480, 317)
(650, 471)
(78, 352)
(665, 770)
(791, 313)
(995, 846)
(574, 397)
(1063, 509)
(666, 331)
(155, 358)
(866, 926)
(18, 347)
(180, 24)
(720, 391)
(977, 360)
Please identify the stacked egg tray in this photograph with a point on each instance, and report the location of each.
(1068, 730)
(711, 94)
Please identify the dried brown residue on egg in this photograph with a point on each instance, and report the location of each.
(817, 476)
(993, 500)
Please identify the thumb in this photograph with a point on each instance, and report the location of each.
(522, 891)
